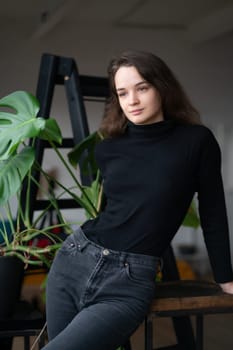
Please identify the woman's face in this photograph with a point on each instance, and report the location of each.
(139, 100)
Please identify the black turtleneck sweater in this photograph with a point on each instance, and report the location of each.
(151, 174)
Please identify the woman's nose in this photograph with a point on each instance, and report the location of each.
(133, 98)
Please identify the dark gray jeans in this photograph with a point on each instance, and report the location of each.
(96, 297)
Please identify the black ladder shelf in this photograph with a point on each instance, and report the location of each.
(57, 70)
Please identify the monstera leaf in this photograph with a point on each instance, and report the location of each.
(16, 127)
(22, 124)
(94, 192)
(85, 151)
(13, 171)
(83, 155)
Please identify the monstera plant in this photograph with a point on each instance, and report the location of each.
(19, 124)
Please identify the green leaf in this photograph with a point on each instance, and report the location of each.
(51, 131)
(13, 171)
(85, 151)
(22, 102)
(93, 192)
(191, 219)
(22, 123)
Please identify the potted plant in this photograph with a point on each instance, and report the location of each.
(19, 124)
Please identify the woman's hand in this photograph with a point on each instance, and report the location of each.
(227, 287)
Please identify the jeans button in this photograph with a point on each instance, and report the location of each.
(106, 252)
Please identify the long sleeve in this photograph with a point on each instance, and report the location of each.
(212, 209)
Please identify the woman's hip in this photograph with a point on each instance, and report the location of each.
(98, 272)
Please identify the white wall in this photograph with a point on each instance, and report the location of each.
(205, 70)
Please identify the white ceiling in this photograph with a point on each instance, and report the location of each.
(200, 19)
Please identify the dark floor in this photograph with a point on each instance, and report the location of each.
(218, 334)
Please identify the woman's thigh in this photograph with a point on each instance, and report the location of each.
(103, 326)
(66, 283)
(60, 307)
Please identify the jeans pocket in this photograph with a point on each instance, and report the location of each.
(69, 246)
(140, 273)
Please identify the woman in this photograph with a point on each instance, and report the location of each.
(154, 157)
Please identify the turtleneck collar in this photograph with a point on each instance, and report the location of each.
(149, 130)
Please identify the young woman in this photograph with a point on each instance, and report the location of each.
(155, 156)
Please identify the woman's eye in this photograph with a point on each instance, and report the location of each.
(121, 94)
(143, 88)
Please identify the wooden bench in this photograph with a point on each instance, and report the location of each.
(185, 298)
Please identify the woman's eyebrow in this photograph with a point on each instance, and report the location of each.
(139, 83)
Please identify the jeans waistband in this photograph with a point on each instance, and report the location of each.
(82, 241)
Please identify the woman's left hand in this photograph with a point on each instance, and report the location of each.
(227, 287)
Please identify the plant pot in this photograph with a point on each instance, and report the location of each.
(11, 277)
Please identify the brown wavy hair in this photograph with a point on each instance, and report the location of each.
(175, 103)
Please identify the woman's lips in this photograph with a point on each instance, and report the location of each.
(136, 111)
